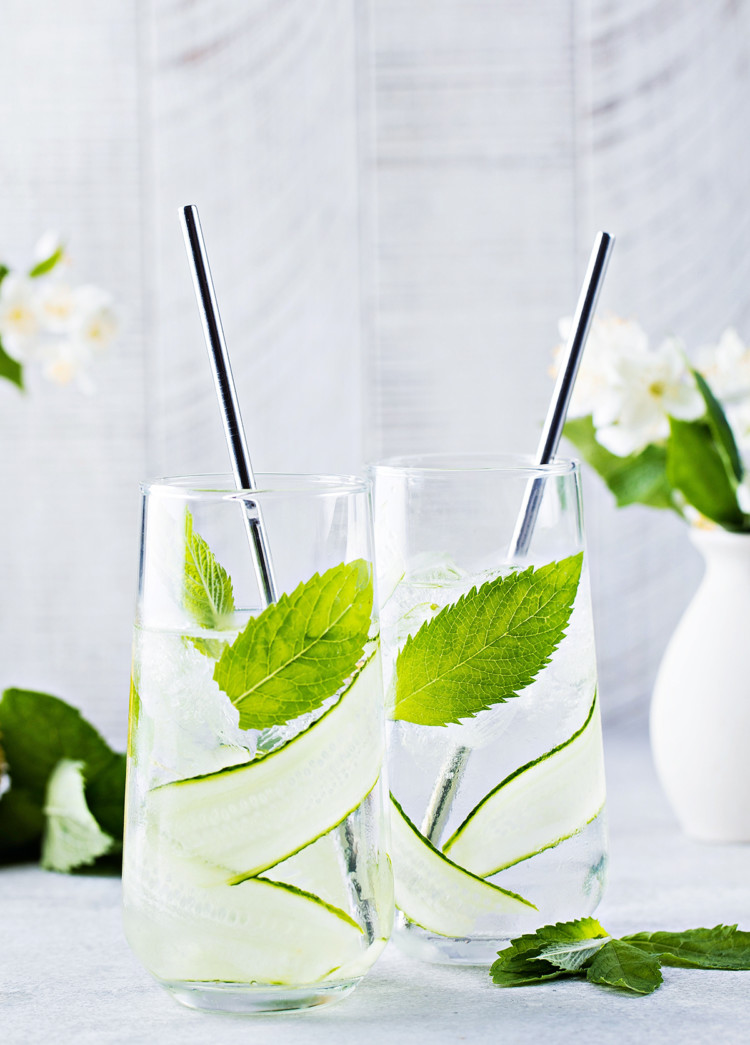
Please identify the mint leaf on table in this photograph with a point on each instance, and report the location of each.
(723, 947)
(487, 646)
(583, 948)
(72, 837)
(636, 479)
(36, 732)
(299, 651)
(698, 469)
(207, 593)
(619, 964)
(10, 368)
(549, 953)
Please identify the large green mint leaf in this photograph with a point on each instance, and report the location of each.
(301, 649)
(698, 469)
(10, 368)
(637, 479)
(72, 837)
(36, 732)
(723, 947)
(722, 430)
(549, 953)
(619, 964)
(207, 594)
(487, 646)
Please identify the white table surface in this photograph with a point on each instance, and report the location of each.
(66, 974)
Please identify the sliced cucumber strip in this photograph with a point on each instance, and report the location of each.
(536, 807)
(256, 932)
(436, 893)
(250, 817)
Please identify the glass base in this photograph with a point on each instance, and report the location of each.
(243, 999)
(445, 950)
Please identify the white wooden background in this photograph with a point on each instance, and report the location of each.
(398, 199)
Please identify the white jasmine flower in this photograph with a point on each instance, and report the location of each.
(57, 308)
(738, 415)
(67, 362)
(94, 322)
(648, 388)
(726, 366)
(19, 316)
(609, 338)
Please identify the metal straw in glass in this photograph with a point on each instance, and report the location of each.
(227, 393)
(444, 793)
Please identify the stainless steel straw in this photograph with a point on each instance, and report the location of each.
(441, 801)
(227, 393)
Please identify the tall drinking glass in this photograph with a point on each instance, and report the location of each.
(255, 874)
(495, 752)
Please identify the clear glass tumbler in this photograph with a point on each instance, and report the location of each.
(495, 751)
(256, 875)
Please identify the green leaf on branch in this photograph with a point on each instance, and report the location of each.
(486, 647)
(619, 964)
(698, 469)
(300, 650)
(72, 837)
(47, 264)
(723, 947)
(637, 479)
(37, 731)
(207, 592)
(720, 427)
(10, 368)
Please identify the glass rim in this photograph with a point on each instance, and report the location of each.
(220, 486)
(471, 462)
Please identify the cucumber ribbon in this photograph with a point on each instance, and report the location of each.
(538, 806)
(217, 834)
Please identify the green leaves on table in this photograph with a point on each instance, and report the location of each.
(300, 650)
(72, 837)
(487, 646)
(583, 949)
(37, 733)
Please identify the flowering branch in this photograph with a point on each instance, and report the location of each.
(653, 428)
(46, 322)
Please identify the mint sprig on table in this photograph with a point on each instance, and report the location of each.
(45, 805)
(584, 949)
(300, 650)
(487, 646)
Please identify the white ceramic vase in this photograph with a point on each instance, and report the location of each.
(700, 713)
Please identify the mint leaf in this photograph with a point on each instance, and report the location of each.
(618, 964)
(47, 264)
(637, 479)
(723, 947)
(301, 649)
(207, 592)
(722, 431)
(10, 368)
(549, 953)
(72, 837)
(21, 825)
(36, 732)
(486, 647)
(696, 467)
